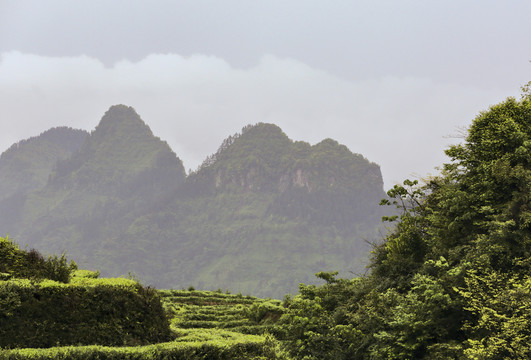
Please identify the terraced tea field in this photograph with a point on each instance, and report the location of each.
(218, 310)
(205, 324)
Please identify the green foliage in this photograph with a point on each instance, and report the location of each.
(9, 299)
(405, 248)
(82, 273)
(120, 313)
(31, 264)
(415, 321)
(316, 324)
(213, 309)
(451, 281)
(265, 312)
(86, 311)
(501, 308)
(190, 345)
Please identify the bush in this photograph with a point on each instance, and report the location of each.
(31, 264)
(87, 311)
(86, 274)
(191, 345)
(265, 312)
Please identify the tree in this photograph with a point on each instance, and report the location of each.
(452, 279)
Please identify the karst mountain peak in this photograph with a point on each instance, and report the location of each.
(122, 202)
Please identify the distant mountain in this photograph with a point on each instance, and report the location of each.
(324, 183)
(27, 165)
(121, 157)
(261, 215)
(120, 170)
(269, 213)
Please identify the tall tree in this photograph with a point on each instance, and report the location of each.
(452, 279)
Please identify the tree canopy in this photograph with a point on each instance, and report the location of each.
(452, 279)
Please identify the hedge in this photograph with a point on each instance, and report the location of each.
(86, 311)
(191, 345)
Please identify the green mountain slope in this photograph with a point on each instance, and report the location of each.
(265, 213)
(27, 165)
(260, 216)
(120, 171)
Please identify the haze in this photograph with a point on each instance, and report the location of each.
(394, 81)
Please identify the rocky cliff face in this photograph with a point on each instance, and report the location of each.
(263, 158)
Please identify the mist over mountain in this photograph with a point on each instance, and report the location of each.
(259, 216)
(26, 167)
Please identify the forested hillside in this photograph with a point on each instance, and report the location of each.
(259, 216)
(453, 279)
(120, 170)
(27, 165)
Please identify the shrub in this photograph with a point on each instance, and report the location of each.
(87, 311)
(31, 264)
(191, 345)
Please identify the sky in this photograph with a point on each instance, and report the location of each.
(396, 81)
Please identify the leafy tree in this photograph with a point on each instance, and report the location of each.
(316, 325)
(452, 279)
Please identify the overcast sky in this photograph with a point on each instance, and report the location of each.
(393, 80)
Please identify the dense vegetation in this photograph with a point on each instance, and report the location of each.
(452, 281)
(26, 166)
(17, 263)
(46, 316)
(260, 216)
(47, 302)
(193, 309)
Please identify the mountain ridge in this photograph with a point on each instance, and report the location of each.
(123, 203)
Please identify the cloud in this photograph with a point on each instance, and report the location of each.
(195, 102)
